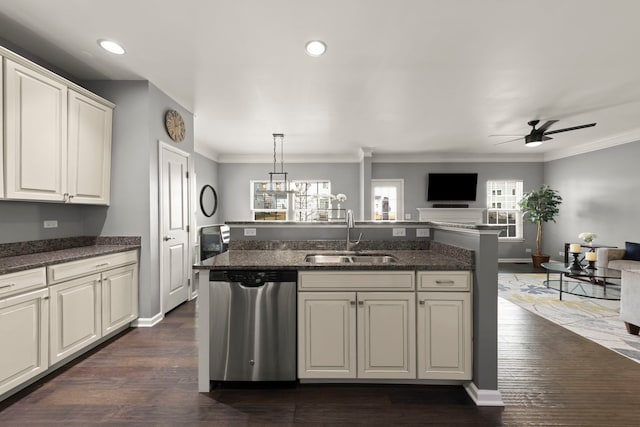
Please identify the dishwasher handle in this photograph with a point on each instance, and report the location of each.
(253, 279)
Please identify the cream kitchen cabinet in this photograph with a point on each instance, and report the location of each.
(1, 128)
(75, 316)
(327, 335)
(444, 325)
(90, 299)
(357, 333)
(35, 134)
(57, 144)
(89, 161)
(24, 332)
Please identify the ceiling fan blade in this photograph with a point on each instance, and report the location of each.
(511, 140)
(505, 135)
(571, 128)
(546, 126)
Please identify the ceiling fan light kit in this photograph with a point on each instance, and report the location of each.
(537, 136)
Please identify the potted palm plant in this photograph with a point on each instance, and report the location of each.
(540, 206)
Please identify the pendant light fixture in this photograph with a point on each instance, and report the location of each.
(281, 183)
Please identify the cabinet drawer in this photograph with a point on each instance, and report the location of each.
(356, 280)
(444, 280)
(68, 270)
(22, 281)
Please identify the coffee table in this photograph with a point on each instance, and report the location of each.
(586, 282)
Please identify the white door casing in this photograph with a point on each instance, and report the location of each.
(174, 226)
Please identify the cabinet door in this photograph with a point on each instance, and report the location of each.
(89, 150)
(1, 131)
(326, 335)
(75, 315)
(386, 335)
(35, 135)
(444, 335)
(24, 337)
(119, 297)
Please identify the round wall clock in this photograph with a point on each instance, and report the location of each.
(175, 125)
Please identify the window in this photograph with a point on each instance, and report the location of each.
(387, 197)
(503, 209)
(311, 201)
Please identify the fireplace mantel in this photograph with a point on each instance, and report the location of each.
(461, 215)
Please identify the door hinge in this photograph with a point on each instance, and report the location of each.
(187, 174)
(188, 229)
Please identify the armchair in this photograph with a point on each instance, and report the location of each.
(630, 300)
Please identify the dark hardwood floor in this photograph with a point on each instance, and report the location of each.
(148, 376)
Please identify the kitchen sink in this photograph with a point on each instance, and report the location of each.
(351, 258)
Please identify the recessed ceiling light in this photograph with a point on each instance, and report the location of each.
(315, 48)
(111, 46)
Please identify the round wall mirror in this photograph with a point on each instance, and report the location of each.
(208, 200)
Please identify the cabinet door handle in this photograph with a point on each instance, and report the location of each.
(445, 282)
(421, 302)
(104, 264)
(10, 285)
(167, 238)
(360, 302)
(352, 302)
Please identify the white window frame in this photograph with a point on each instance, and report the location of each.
(505, 204)
(399, 202)
(315, 211)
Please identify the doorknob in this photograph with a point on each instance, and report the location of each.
(167, 238)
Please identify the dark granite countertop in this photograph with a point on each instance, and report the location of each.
(294, 260)
(26, 261)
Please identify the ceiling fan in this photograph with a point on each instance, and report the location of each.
(538, 136)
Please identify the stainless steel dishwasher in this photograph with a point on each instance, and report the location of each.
(252, 325)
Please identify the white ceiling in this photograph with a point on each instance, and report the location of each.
(412, 79)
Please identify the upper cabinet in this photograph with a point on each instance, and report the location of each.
(1, 132)
(36, 135)
(57, 144)
(89, 161)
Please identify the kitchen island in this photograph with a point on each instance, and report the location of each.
(467, 250)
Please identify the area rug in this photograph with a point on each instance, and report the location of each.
(595, 319)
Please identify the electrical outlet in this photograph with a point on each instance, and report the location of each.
(422, 232)
(528, 250)
(561, 253)
(398, 232)
(50, 223)
(407, 216)
(249, 231)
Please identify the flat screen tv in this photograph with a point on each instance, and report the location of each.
(452, 187)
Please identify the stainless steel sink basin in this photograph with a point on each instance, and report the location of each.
(351, 258)
(374, 259)
(328, 259)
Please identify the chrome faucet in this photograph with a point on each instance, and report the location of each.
(351, 224)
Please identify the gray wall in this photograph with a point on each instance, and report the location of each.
(415, 189)
(138, 126)
(601, 194)
(235, 190)
(206, 173)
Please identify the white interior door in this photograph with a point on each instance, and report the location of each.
(174, 226)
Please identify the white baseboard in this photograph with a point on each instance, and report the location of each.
(483, 397)
(147, 322)
(527, 260)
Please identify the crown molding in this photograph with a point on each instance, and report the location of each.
(291, 158)
(456, 158)
(206, 151)
(620, 139)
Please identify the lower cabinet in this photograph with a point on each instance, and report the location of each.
(75, 319)
(356, 335)
(86, 300)
(381, 328)
(119, 297)
(86, 308)
(24, 330)
(444, 335)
